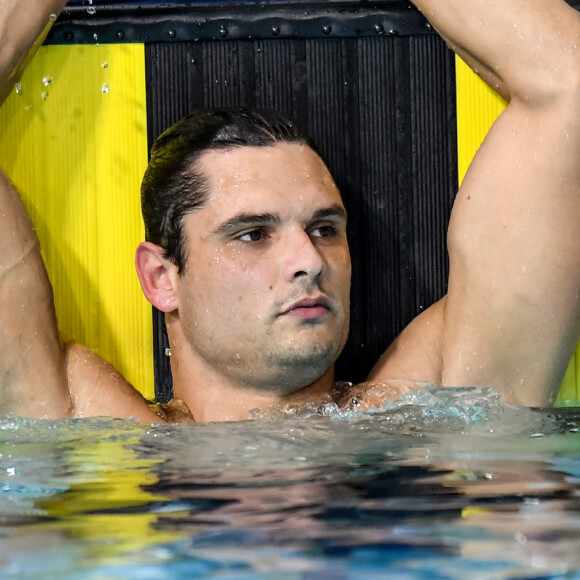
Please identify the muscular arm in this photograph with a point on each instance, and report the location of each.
(511, 318)
(39, 375)
(30, 349)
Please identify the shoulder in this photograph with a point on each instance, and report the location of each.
(98, 389)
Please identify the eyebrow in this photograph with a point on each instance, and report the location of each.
(334, 211)
(245, 220)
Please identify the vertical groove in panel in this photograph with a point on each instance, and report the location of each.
(228, 73)
(433, 169)
(274, 66)
(173, 75)
(327, 112)
(378, 187)
(403, 153)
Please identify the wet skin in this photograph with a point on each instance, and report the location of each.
(263, 301)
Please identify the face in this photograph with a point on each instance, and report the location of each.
(264, 296)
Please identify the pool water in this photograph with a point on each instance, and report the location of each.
(440, 485)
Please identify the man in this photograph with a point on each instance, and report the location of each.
(251, 266)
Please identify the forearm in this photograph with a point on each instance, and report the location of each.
(23, 27)
(522, 48)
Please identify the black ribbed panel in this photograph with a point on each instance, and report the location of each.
(382, 111)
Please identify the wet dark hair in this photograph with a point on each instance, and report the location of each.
(173, 186)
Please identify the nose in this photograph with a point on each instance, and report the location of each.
(302, 259)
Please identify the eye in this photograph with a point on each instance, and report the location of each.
(256, 235)
(324, 231)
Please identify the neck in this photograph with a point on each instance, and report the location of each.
(212, 396)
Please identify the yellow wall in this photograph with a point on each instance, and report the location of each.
(74, 142)
(477, 108)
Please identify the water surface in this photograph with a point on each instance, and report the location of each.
(441, 485)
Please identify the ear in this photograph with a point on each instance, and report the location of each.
(157, 275)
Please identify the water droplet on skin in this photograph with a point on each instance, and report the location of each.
(18, 88)
(28, 108)
(47, 80)
(52, 17)
(105, 88)
(105, 64)
(44, 95)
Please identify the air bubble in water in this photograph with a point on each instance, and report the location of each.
(105, 88)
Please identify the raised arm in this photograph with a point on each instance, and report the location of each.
(39, 375)
(511, 318)
(30, 349)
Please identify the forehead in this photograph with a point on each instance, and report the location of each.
(277, 174)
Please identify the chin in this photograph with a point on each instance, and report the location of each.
(296, 370)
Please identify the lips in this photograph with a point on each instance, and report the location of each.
(309, 307)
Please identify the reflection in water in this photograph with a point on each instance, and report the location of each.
(393, 494)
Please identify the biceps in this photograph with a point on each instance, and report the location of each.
(513, 307)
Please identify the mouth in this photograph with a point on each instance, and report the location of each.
(308, 308)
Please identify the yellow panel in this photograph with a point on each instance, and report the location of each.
(478, 106)
(73, 139)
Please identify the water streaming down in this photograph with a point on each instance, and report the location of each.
(441, 484)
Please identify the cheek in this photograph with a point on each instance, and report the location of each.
(252, 274)
(242, 279)
(341, 265)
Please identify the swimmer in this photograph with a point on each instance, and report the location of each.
(250, 261)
